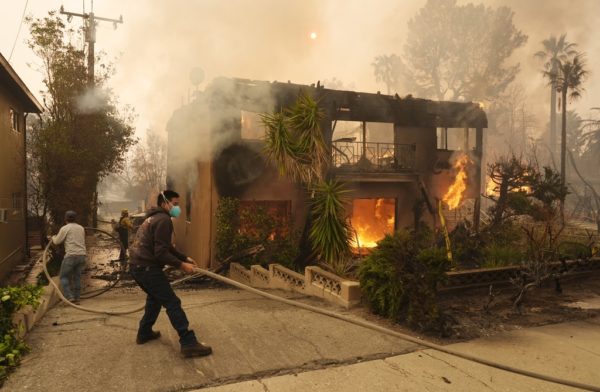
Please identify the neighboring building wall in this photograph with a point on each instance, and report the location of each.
(12, 183)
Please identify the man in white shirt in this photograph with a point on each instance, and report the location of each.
(73, 236)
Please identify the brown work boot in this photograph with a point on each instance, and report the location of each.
(196, 350)
(144, 339)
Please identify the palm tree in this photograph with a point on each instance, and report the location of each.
(387, 70)
(568, 81)
(294, 143)
(556, 50)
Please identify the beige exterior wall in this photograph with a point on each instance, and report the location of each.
(12, 184)
(193, 233)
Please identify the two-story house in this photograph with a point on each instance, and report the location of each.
(16, 102)
(393, 153)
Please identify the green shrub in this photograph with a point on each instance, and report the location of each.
(227, 224)
(239, 229)
(466, 246)
(12, 299)
(573, 250)
(494, 246)
(499, 255)
(399, 279)
(378, 276)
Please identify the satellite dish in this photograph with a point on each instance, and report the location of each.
(196, 76)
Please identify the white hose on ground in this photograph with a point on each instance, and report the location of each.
(342, 317)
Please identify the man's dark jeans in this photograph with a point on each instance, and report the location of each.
(160, 294)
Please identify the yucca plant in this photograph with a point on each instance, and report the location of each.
(294, 143)
(330, 232)
(279, 146)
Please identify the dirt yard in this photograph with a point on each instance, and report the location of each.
(580, 299)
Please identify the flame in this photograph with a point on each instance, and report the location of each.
(455, 193)
(372, 219)
(490, 187)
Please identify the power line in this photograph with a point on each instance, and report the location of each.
(19, 30)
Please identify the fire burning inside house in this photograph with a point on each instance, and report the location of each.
(455, 194)
(371, 220)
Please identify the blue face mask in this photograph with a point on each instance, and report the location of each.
(175, 211)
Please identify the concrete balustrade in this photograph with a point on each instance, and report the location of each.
(315, 282)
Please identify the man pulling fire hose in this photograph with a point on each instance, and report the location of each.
(152, 249)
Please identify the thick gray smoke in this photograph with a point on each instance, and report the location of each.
(271, 40)
(92, 100)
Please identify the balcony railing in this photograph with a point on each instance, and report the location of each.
(373, 157)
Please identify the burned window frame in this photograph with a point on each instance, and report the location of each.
(395, 217)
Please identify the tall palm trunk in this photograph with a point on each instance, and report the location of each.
(563, 151)
(563, 139)
(553, 143)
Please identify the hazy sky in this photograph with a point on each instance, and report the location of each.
(161, 41)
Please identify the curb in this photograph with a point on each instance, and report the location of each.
(26, 318)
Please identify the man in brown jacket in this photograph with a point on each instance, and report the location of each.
(150, 252)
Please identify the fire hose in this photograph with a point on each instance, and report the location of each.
(329, 313)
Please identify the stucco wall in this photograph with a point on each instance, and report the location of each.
(12, 180)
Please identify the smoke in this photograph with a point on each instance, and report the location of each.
(260, 40)
(271, 40)
(206, 128)
(541, 19)
(92, 100)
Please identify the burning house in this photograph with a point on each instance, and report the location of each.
(401, 158)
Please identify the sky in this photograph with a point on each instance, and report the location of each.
(161, 41)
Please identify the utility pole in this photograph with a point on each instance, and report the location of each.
(90, 34)
(90, 38)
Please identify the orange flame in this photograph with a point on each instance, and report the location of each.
(455, 193)
(372, 219)
(490, 187)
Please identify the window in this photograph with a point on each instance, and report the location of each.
(252, 126)
(356, 131)
(455, 139)
(371, 220)
(442, 138)
(3, 215)
(14, 120)
(17, 201)
(362, 144)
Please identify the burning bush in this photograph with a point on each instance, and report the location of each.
(399, 279)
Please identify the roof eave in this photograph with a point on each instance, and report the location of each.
(31, 103)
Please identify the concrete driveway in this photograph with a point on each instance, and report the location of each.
(252, 338)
